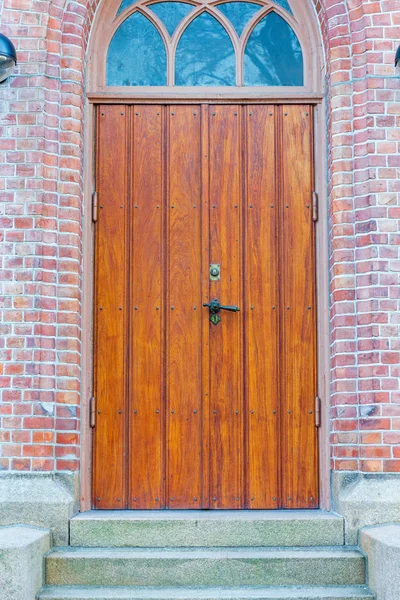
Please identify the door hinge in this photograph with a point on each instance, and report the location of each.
(92, 411)
(94, 207)
(315, 206)
(317, 411)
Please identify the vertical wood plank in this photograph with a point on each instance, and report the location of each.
(226, 400)
(298, 311)
(205, 295)
(184, 437)
(147, 356)
(261, 310)
(111, 309)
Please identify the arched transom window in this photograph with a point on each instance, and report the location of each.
(204, 43)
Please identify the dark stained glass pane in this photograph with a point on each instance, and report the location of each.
(205, 55)
(136, 55)
(239, 13)
(171, 13)
(273, 54)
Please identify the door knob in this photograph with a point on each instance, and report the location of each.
(214, 272)
(215, 307)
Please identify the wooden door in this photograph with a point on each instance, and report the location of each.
(191, 414)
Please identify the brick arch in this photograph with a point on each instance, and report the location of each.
(82, 14)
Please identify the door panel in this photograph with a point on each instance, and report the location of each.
(205, 288)
(298, 312)
(110, 308)
(146, 464)
(194, 414)
(261, 316)
(226, 401)
(184, 308)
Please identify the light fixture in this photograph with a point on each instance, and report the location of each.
(397, 61)
(8, 57)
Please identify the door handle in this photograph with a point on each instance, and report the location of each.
(215, 307)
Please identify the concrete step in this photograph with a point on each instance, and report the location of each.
(206, 528)
(205, 566)
(270, 593)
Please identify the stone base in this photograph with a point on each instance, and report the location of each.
(382, 546)
(365, 499)
(22, 551)
(42, 500)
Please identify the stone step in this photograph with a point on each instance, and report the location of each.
(206, 528)
(205, 566)
(270, 593)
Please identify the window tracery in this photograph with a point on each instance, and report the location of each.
(205, 43)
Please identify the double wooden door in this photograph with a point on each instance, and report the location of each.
(198, 203)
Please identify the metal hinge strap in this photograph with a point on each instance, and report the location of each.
(315, 206)
(92, 411)
(94, 207)
(317, 411)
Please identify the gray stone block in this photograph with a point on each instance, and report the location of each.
(382, 547)
(22, 551)
(205, 567)
(365, 499)
(41, 500)
(206, 528)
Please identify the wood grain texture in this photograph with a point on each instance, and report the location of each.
(298, 311)
(226, 399)
(110, 305)
(205, 295)
(184, 352)
(261, 310)
(192, 414)
(147, 356)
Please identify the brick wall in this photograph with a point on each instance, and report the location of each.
(364, 221)
(41, 148)
(41, 215)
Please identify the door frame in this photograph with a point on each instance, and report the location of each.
(322, 259)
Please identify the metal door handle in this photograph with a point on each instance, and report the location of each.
(215, 307)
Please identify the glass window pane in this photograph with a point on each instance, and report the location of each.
(285, 4)
(171, 13)
(124, 4)
(205, 55)
(239, 13)
(273, 54)
(136, 55)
